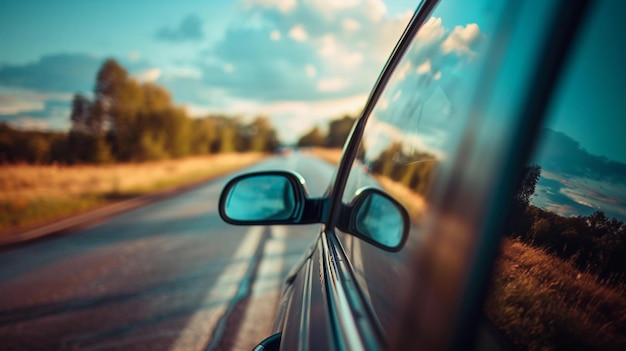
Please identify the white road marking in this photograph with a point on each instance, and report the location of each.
(198, 330)
(267, 282)
(269, 274)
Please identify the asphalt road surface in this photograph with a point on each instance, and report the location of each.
(167, 276)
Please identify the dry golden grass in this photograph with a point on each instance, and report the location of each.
(414, 203)
(30, 193)
(541, 302)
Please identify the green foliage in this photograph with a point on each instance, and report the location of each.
(526, 186)
(338, 131)
(415, 170)
(18, 146)
(203, 136)
(593, 243)
(259, 136)
(314, 137)
(87, 148)
(132, 121)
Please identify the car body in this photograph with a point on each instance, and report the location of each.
(435, 176)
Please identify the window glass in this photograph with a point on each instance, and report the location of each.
(413, 133)
(560, 279)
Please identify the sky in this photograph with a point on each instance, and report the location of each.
(301, 62)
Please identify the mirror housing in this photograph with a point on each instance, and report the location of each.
(280, 197)
(377, 218)
(268, 198)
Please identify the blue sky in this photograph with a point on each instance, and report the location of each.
(299, 61)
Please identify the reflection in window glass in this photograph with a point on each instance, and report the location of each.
(419, 117)
(413, 133)
(560, 280)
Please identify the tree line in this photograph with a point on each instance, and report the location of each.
(593, 243)
(127, 120)
(335, 137)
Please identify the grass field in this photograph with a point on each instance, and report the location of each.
(541, 302)
(31, 194)
(544, 303)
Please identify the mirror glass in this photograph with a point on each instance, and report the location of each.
(261, 197)
(379, 219)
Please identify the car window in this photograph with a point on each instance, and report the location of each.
(560, 279)
(413, 134)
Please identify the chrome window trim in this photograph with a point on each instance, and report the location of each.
(351, 147)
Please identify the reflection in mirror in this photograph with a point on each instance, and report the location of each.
(261, 197)
(380, 220)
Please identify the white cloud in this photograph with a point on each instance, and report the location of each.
(298, 33)
(424, 67)
(401, 71)
(29, 123)
(342, 47)
(431, 31)
(134, 56)
(376, 9)
(331, 84)
(149, 75)
(328, 46)
(11, 106)
(333, 6)
(14, 101)
(275, 35)
(460, 39)
(283, 6)
(183, 72)
(351, 25)
(337, 54)
(291, 118)
(310, 70)
(54, 116)
(353, 59)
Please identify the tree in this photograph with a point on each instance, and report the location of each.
(155, 98)
(204, 135)
(119, 98)
(520, 222)
(338, 131)
(81, 115)
(86, 140)
(314, 137)
(260, 136)
(37, 149)
(526, 187)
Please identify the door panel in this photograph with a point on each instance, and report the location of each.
(440, 138)
(306, 325)
(412, 137)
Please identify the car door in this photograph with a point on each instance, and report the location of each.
(446, 133)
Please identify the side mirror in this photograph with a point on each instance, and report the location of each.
(266, 198)
(378, 219)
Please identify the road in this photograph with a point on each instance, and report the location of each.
(166, 276)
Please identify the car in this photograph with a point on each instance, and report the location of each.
(480, 197)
